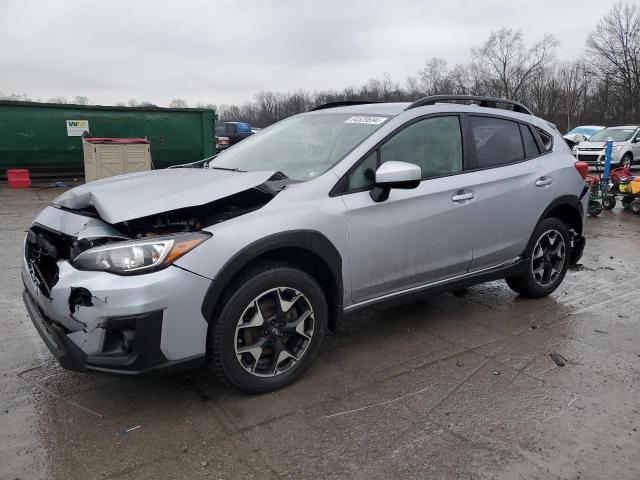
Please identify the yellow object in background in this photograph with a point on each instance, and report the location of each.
(635, 186)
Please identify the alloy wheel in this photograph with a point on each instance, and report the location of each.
(548, 258)
(274, 332)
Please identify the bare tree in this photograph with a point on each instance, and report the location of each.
(509, 63)
(615, 48)
(178, 103)
(434, 78)
(81, 100)
(58, 100)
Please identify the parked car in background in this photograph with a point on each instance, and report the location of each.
(247, 261)
(626, 146)
(230, 133)
(583, 133)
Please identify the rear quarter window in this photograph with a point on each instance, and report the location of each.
(546, 139)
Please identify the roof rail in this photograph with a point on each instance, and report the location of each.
(342, 103)
(489, 102)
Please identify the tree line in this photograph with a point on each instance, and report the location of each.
(601, 87)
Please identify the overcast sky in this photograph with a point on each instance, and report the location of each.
(224, 52)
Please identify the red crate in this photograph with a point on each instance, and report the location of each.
(18, 178)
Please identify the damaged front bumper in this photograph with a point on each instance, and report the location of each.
(99, 321)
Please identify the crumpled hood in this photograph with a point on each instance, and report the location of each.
(136, 195)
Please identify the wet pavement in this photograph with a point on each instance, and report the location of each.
(450, 387)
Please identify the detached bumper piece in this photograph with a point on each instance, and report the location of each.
(131, 344)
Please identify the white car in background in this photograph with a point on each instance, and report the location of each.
(626, 146)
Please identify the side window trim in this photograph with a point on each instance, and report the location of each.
(341, 187)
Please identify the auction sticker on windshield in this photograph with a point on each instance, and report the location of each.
(366, 119)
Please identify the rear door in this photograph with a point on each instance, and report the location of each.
(514, 179)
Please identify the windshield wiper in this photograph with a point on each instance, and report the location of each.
(228, 169)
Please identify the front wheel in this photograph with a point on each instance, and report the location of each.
(635, 206)
(269, 330)
(547, 258)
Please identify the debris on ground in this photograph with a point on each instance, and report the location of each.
(558, 359)
(579, 267)
(496, 373)
(599, 331)
(458, 364)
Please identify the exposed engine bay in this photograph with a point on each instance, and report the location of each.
(87, 228)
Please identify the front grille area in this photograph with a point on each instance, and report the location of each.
(43, 249)
(588, 158)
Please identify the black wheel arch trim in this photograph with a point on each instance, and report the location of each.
(572, 201)
(310, 240)
(568, 200)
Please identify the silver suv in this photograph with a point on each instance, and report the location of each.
(246, 260)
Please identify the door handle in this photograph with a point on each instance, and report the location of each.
(544, 181)
(462, 197)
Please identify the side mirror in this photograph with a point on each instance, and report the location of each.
(395, 175)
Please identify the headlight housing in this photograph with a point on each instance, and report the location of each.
(138, 256)
(617, 148)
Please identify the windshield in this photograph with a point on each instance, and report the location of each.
(301, 147)
(586, 131)
(617, 134)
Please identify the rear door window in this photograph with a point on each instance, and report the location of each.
(497, 141)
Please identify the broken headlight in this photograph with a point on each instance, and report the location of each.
(138, 256)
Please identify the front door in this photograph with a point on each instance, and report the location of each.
(417, 236)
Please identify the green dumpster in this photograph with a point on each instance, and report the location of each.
(47, 138)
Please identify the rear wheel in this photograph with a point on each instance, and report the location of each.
(547, 257)
(269, 330)
(609, 202)
(635, 206)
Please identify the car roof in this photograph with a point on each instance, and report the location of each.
(396, 108)
(391, 108)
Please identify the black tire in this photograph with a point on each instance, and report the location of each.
(626, 202)
(635, 206)
(222, 336)
(608, 203)
(528, 284)
(594, 208)
(626, 160)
